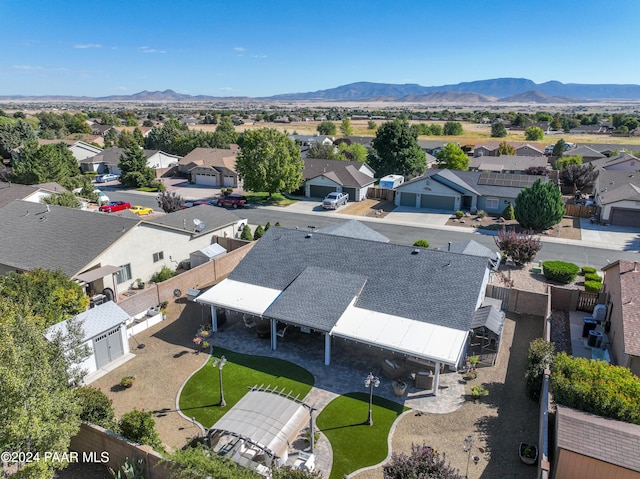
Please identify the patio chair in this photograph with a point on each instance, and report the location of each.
(392, 370)
(281, 332)
(249, 322)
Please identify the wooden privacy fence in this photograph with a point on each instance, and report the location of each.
(381, 194)
(587, 301)
(581, 211)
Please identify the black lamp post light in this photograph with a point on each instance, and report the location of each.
(219, 363)
(370, 382)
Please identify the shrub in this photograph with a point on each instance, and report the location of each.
(478, 391)
(129, 470)
(593, 286)
(520, 247)
(539, 358)
(423, 462)
(587, 269)
(257, 234)
(509, 213)
(459, 214)
(164, 274)
(267, 226)
(96, 407)
(139, 426)
(596, 387)
(421, 243)
(127, 381)
(560, 271)
(593, 277)
(482, 214)
(539, 206)
(246, 233)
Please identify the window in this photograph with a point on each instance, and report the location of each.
(124, 274)
(492, 203)
(158, 256)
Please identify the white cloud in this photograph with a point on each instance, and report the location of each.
(258, 56)
(146, 49)
(27, 67)
(240, 49)
(226, 88)
(87, 45)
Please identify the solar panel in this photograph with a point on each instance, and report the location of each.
(505, 179)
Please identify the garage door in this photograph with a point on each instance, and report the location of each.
(351, 192)
(625, 217)
(408, 199)
(229, 181)
(437, 202)
(108, 347)
(207, 180)
(316, 191)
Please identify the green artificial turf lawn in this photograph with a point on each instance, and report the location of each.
(201, 394)
(355, 444)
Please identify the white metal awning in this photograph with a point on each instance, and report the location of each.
(402, 335)
(242, 297)
(97, 273)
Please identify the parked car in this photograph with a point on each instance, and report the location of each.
(234, 201)
(104, 178)
(114, 206)
(334, 200)
(141, 210)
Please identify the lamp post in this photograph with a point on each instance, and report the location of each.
(370, 382)
(467, 446)
(219, 363)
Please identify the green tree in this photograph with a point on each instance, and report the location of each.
(12, 135)
(126, 140)
(506, 149)
(453, 158)
(78, 124)
(322, 151)
(257, 234)
(41, 164)
(579, 176)
(135, 172)
(395, 150)
(138, 137)
(453, 128)
(346, 129)
(436, 130)
(565, 161)
(559, 148)
(534, 133)
(166, 137)
(197, 462)
(246, 233)
(139, 426)
(269, 161)
(170, 202)
(327, 128)
(225, 134)
(372, 125)
(498, 130)
(38, 411)
(352, 152)
(95, 407)
(65, 198)
(539, 206)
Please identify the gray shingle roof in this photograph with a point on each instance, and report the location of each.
(473, 248)
(353, 229)
(14, 191)
(507, 162)
(316, 298)
(213, 217)
(616, 185)
(605, 163)
(345, 173)
(60, 238)
(432, 286)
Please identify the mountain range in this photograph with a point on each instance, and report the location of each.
(483, 91)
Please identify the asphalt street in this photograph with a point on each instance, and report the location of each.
(404, 234)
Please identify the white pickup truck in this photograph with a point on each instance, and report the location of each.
(333, 200)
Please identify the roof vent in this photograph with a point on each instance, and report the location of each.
(308, 235)
(415, 251)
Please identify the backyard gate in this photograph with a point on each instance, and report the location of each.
(501, 293)
(587, 301)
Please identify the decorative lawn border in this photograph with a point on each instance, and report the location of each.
(200, 395)
(356, 445)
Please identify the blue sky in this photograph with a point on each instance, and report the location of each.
(262, 47)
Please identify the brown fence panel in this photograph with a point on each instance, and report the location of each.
(381, 194)
(587, 300)
(581, 211)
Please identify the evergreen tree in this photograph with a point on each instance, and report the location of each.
(498, 130)
(395, 150)
(135, 172)
(539, 206)
(246, 233)
(257, 234)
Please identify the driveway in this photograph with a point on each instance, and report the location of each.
(624, 238)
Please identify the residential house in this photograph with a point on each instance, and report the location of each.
(145, 130)
(82, 150)
(454, 190)
(621, 162)
(321, 177)
(432, 147)
(106, 252)
(353, 229)
(593, 447)
(101, 130)
(622, 286)
(590, 130)
(211, 166)
(617, 196)
(308, 140)
(31, 193)
(522, 149)
(588, 154)
(507, 163)
(108, 160)
(608, 149)
(409, 301)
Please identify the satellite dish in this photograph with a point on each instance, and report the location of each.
(196, 221)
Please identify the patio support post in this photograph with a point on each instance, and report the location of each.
(327, 349)
(436, 378)
(274, 337)
(214, 319)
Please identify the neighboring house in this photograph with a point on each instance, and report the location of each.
(105, 333)
(589, 155)
(308, 140)
(106, 252)
(211, 166)
(432, 147)
(589, 130)
(593, 447)
(81, 150)
(31, 193)
(622, 285)
(522, 149)
(109, 159)
(321, 177)
(101, 130)
(416, 302)
(476, 249)
(353, 229)
(454, 190)
(507, 163)
(145, 130)
(617, 195)
(620, 162)
(608, 149)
